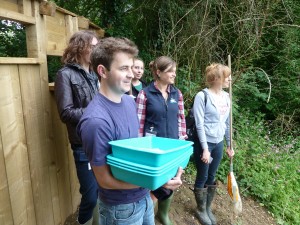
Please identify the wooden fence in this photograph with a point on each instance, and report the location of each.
(38, 182)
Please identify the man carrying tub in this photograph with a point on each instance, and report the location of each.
(112, 116)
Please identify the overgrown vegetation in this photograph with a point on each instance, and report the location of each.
(263, 38)
(266, 165)
(12, 39)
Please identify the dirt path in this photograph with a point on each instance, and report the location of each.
(183, 206)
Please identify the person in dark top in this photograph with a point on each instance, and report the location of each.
(137, 84)
(75, 86)
(161, 113)
(112, 116)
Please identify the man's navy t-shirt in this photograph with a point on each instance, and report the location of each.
(104, 121)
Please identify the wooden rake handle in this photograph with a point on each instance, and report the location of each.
(230, 114)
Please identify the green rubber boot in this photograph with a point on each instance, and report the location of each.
(201, 199)
(163, 211)
(211, 190)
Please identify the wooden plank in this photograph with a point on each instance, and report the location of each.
(11, 5)
(26, 7)
(83, 23)
(62, 162)
(38, 145)
(54, 49)
(56, 34)
(6, 216)
(64, 11)
(69, 27)
(16, 60)
(15, 150)
(15, 16)
(55, 52)
(56, 24)
(100, 33)
(55, 195)
(65, 155)
(75, 24)
(34, 88)
(51, 86)
(73, 181)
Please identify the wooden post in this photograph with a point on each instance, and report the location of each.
(83, 23)
(37, 114)
(47, 8)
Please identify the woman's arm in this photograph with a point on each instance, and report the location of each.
(141, 111)
(199, 111)
(64, 99)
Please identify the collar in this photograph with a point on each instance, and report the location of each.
(91, 74)
(168, 88)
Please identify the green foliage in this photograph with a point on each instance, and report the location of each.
(12, 39)
(266, 166)
(54, 64)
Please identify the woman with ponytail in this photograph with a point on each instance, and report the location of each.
(161, 113)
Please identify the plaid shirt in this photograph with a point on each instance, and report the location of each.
(141, 111)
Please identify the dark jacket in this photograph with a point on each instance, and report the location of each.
(160, 114)
(74, 89)
(135, 92)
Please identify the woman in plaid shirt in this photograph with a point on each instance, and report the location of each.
(161, 113)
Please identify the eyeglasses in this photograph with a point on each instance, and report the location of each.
(92, 46)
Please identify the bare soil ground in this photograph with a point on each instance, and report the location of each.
(184, 205)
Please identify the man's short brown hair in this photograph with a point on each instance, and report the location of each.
(105, 50)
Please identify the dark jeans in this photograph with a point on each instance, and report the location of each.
(88, 185)
(206, 172)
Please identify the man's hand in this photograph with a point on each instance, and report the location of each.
(175, 182)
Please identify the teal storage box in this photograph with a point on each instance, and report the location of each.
(148, 180)
(149, 151)
(111, 160)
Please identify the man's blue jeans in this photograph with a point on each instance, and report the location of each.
(136, 213)
(88, 185)
(206, 172)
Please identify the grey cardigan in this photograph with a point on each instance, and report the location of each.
(207, 118)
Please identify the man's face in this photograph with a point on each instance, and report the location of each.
(120, 75)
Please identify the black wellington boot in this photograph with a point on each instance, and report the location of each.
(201, 212)
(211, 190)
